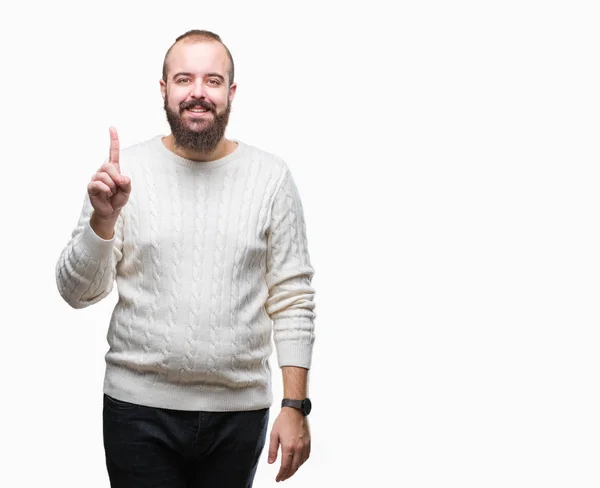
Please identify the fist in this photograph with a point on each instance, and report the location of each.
(109, 190)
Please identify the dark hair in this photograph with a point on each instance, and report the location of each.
(200, 35)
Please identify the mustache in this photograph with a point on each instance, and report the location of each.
(203, 104)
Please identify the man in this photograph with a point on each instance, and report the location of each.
(206, 239)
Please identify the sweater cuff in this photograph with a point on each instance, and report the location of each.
(294, 354)
(94, 245)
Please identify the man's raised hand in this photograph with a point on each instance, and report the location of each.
(109, 190)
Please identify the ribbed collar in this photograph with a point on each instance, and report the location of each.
(188, 163)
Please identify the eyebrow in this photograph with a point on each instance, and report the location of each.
(216, 75)
(191, 75)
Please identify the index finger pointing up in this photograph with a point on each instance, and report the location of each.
(113, 156)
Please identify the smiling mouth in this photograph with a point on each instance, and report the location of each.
(197, 113)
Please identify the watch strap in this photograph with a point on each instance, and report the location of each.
(286, 402)
(305, 406)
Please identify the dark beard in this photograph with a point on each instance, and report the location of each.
(204, 140)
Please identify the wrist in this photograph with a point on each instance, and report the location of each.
(303, 406)
(104, 227)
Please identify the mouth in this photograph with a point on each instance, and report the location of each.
(197, 111)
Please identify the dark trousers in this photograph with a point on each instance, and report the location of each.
(154, 447)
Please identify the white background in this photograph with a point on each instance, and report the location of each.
(447, 157)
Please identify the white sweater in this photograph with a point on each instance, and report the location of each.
(211, 265)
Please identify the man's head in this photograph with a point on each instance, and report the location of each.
(198, 88)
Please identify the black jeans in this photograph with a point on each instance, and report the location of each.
(154, 447)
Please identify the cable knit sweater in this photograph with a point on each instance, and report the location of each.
(211, 265)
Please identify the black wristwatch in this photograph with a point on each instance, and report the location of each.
(305, 406)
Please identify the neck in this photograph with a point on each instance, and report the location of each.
(224, 147)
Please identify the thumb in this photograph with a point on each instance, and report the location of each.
(273, 447)
(125, 183)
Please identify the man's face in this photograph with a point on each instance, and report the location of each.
(197, 96)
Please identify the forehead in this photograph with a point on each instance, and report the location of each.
(198, 57)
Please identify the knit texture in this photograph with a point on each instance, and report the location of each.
(212, 267)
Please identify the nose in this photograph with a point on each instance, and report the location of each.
(198, 89)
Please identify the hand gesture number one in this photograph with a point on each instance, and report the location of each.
(109, 190)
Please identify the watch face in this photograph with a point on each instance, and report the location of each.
(306, 406)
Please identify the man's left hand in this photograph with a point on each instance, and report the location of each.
(291, 431)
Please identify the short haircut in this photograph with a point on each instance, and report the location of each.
(201, 35)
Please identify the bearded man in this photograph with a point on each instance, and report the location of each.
(206, 240)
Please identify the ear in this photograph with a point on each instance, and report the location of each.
(232, 90)
(163, 88)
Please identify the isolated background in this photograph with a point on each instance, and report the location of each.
(447, 157)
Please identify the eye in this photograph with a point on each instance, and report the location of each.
(183, 80)
(214, 82)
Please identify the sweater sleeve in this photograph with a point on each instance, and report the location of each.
(86, 267)
(290, 302)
